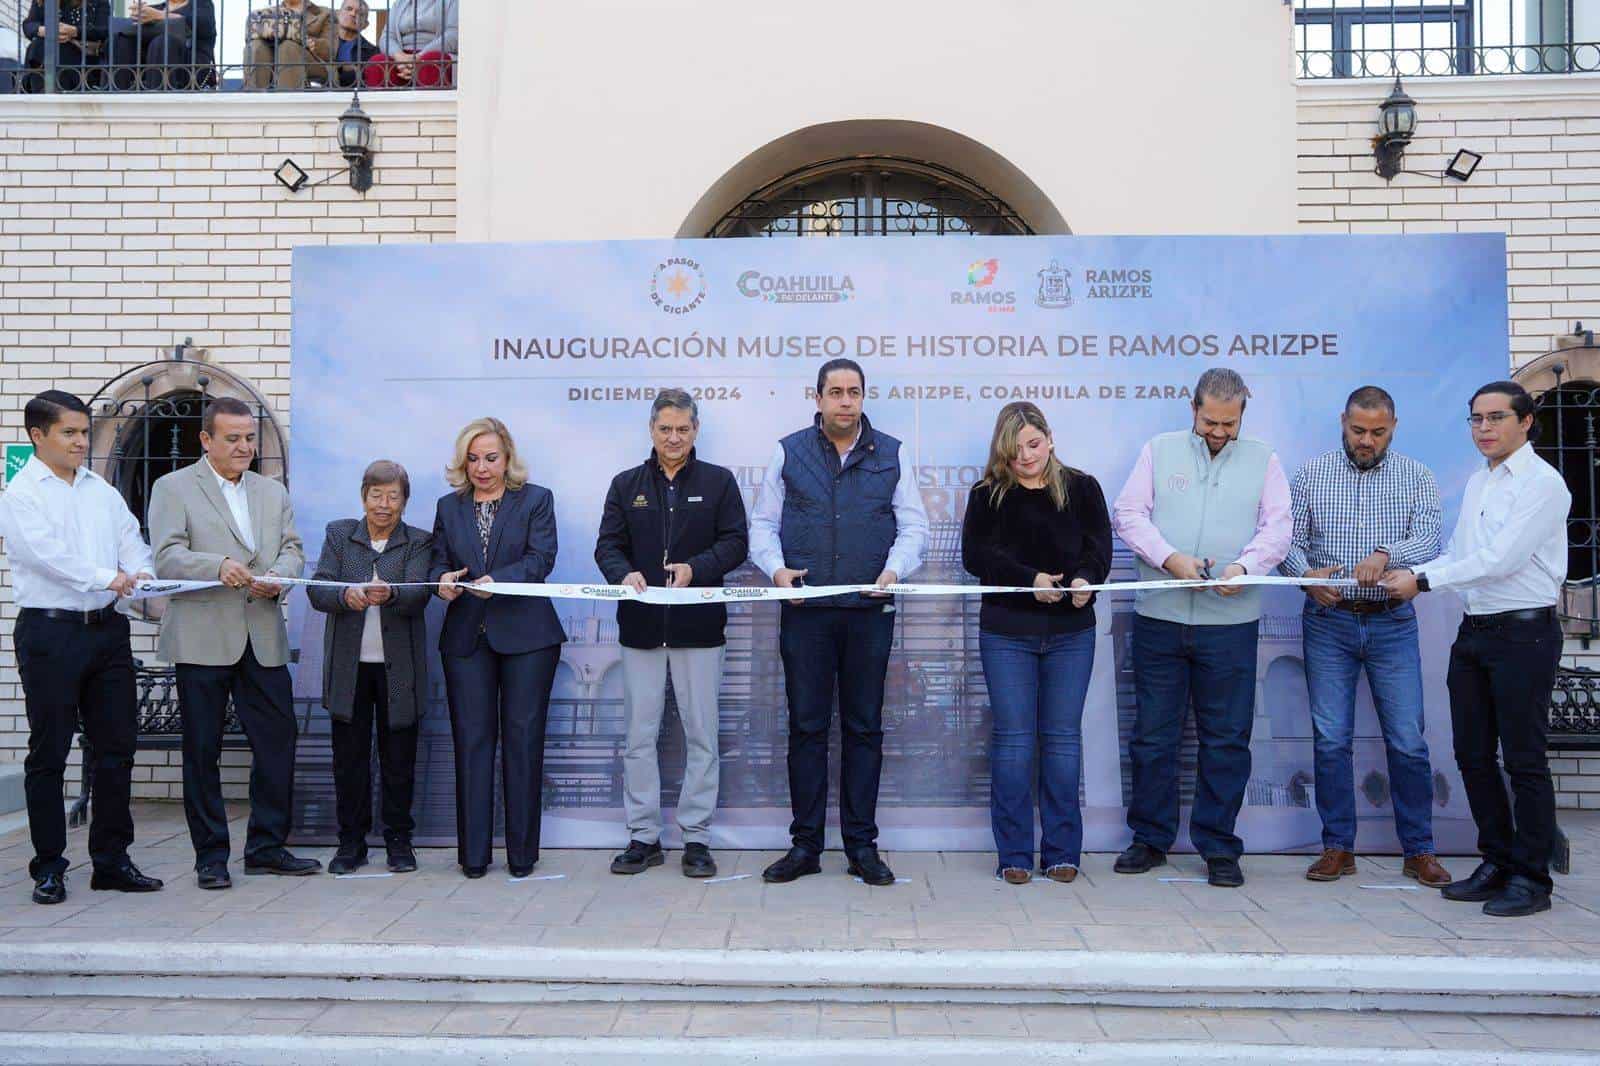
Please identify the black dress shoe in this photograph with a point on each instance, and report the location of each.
(348, 859)
(1139, 858)
(697, 861)
(1223, 872)
(518, 870)
(797, 863)
(51, 888)
(472, 873)
(282, 863)
(213, 875)
(124, 877)
(1521, 897)
(402, 860)
(866, 865)
(638, 858)
(1484, 883)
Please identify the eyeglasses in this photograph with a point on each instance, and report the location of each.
(1494, 418)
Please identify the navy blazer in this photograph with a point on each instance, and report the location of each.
(522, 547)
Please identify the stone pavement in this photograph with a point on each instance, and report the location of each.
(947, 901)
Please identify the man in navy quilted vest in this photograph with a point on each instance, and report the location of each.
(838, 506)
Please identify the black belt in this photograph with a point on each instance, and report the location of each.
(86, 618)
(1370, 606)
(1527, 614)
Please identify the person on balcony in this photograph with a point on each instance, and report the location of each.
(80, 42)
(1033, 520)
(375, 663)
(673, 521)
(290, 43)
(75, 552)
(351, 50)
(418, 46)
(171, 44)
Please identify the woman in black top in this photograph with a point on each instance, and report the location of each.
(1033, 521)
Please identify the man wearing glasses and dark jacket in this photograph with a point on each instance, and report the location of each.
(672, 522)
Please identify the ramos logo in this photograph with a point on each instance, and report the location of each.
(678, 286)
(981, 291)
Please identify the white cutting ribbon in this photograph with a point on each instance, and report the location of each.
(149, 589)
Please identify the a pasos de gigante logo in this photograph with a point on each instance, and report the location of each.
(981, 290)
(797, 288)
(678, 285)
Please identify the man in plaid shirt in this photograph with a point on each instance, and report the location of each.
(1361, 510)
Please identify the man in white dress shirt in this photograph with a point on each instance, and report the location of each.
(74, 550)
(1507, 561)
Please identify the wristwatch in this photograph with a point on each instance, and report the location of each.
(1422, 583)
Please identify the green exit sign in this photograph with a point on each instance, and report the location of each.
(17, 456)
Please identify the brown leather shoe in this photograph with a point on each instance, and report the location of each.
(1333, 865)
(1063, 873)
(1015, 875)
(1426, 868)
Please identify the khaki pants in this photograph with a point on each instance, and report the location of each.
(282, 64)
(697, 683)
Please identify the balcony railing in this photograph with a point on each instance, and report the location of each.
(1421, 38)
(77, 46)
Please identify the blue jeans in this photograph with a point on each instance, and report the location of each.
(1213, 668)
(1338, 645)
(1037, 687)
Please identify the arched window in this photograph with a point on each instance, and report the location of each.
(881, 196)
(146, 424)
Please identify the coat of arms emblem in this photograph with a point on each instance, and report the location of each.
(1055, 289)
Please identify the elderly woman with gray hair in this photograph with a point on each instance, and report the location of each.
(374, 662)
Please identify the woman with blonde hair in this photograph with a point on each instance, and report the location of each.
(1034, 521)
(499, 652)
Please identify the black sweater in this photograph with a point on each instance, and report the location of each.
(1026, 536)
(698, 518)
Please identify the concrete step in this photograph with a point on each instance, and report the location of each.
(12, 797)
(459, 974)
(133, 1031)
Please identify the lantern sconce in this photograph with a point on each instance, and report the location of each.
(1397, 124)
(355, 145)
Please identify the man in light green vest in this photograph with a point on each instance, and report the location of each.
(1200, 502)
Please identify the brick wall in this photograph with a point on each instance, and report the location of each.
(1539, 184)
(128, 224)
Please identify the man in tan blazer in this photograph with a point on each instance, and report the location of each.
(219, 520)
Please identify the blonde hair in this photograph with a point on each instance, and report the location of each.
(997, 474)
(456, 473)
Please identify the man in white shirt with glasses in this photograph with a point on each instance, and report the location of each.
(1507, 561)
(75, 551)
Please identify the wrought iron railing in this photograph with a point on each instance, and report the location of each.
(211, 45)
(1421, 38)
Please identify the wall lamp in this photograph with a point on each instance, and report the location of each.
(1397, 123)
(355, 144)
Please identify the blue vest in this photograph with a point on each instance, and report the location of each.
(838, 520)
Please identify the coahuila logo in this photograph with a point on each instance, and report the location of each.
(678, 286)
(980, 290)
(607, 592)
(797, 288)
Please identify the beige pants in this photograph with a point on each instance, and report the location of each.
(283, 65)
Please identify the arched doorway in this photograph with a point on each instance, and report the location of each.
(874, 196)
(146, 423)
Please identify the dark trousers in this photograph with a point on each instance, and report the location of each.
(1213, 669)
(825, 648)
(264, 701)
(158, 55)
(1500, 678)
(500, 699)
(70, 670)
(352, 762)
(74, 69)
